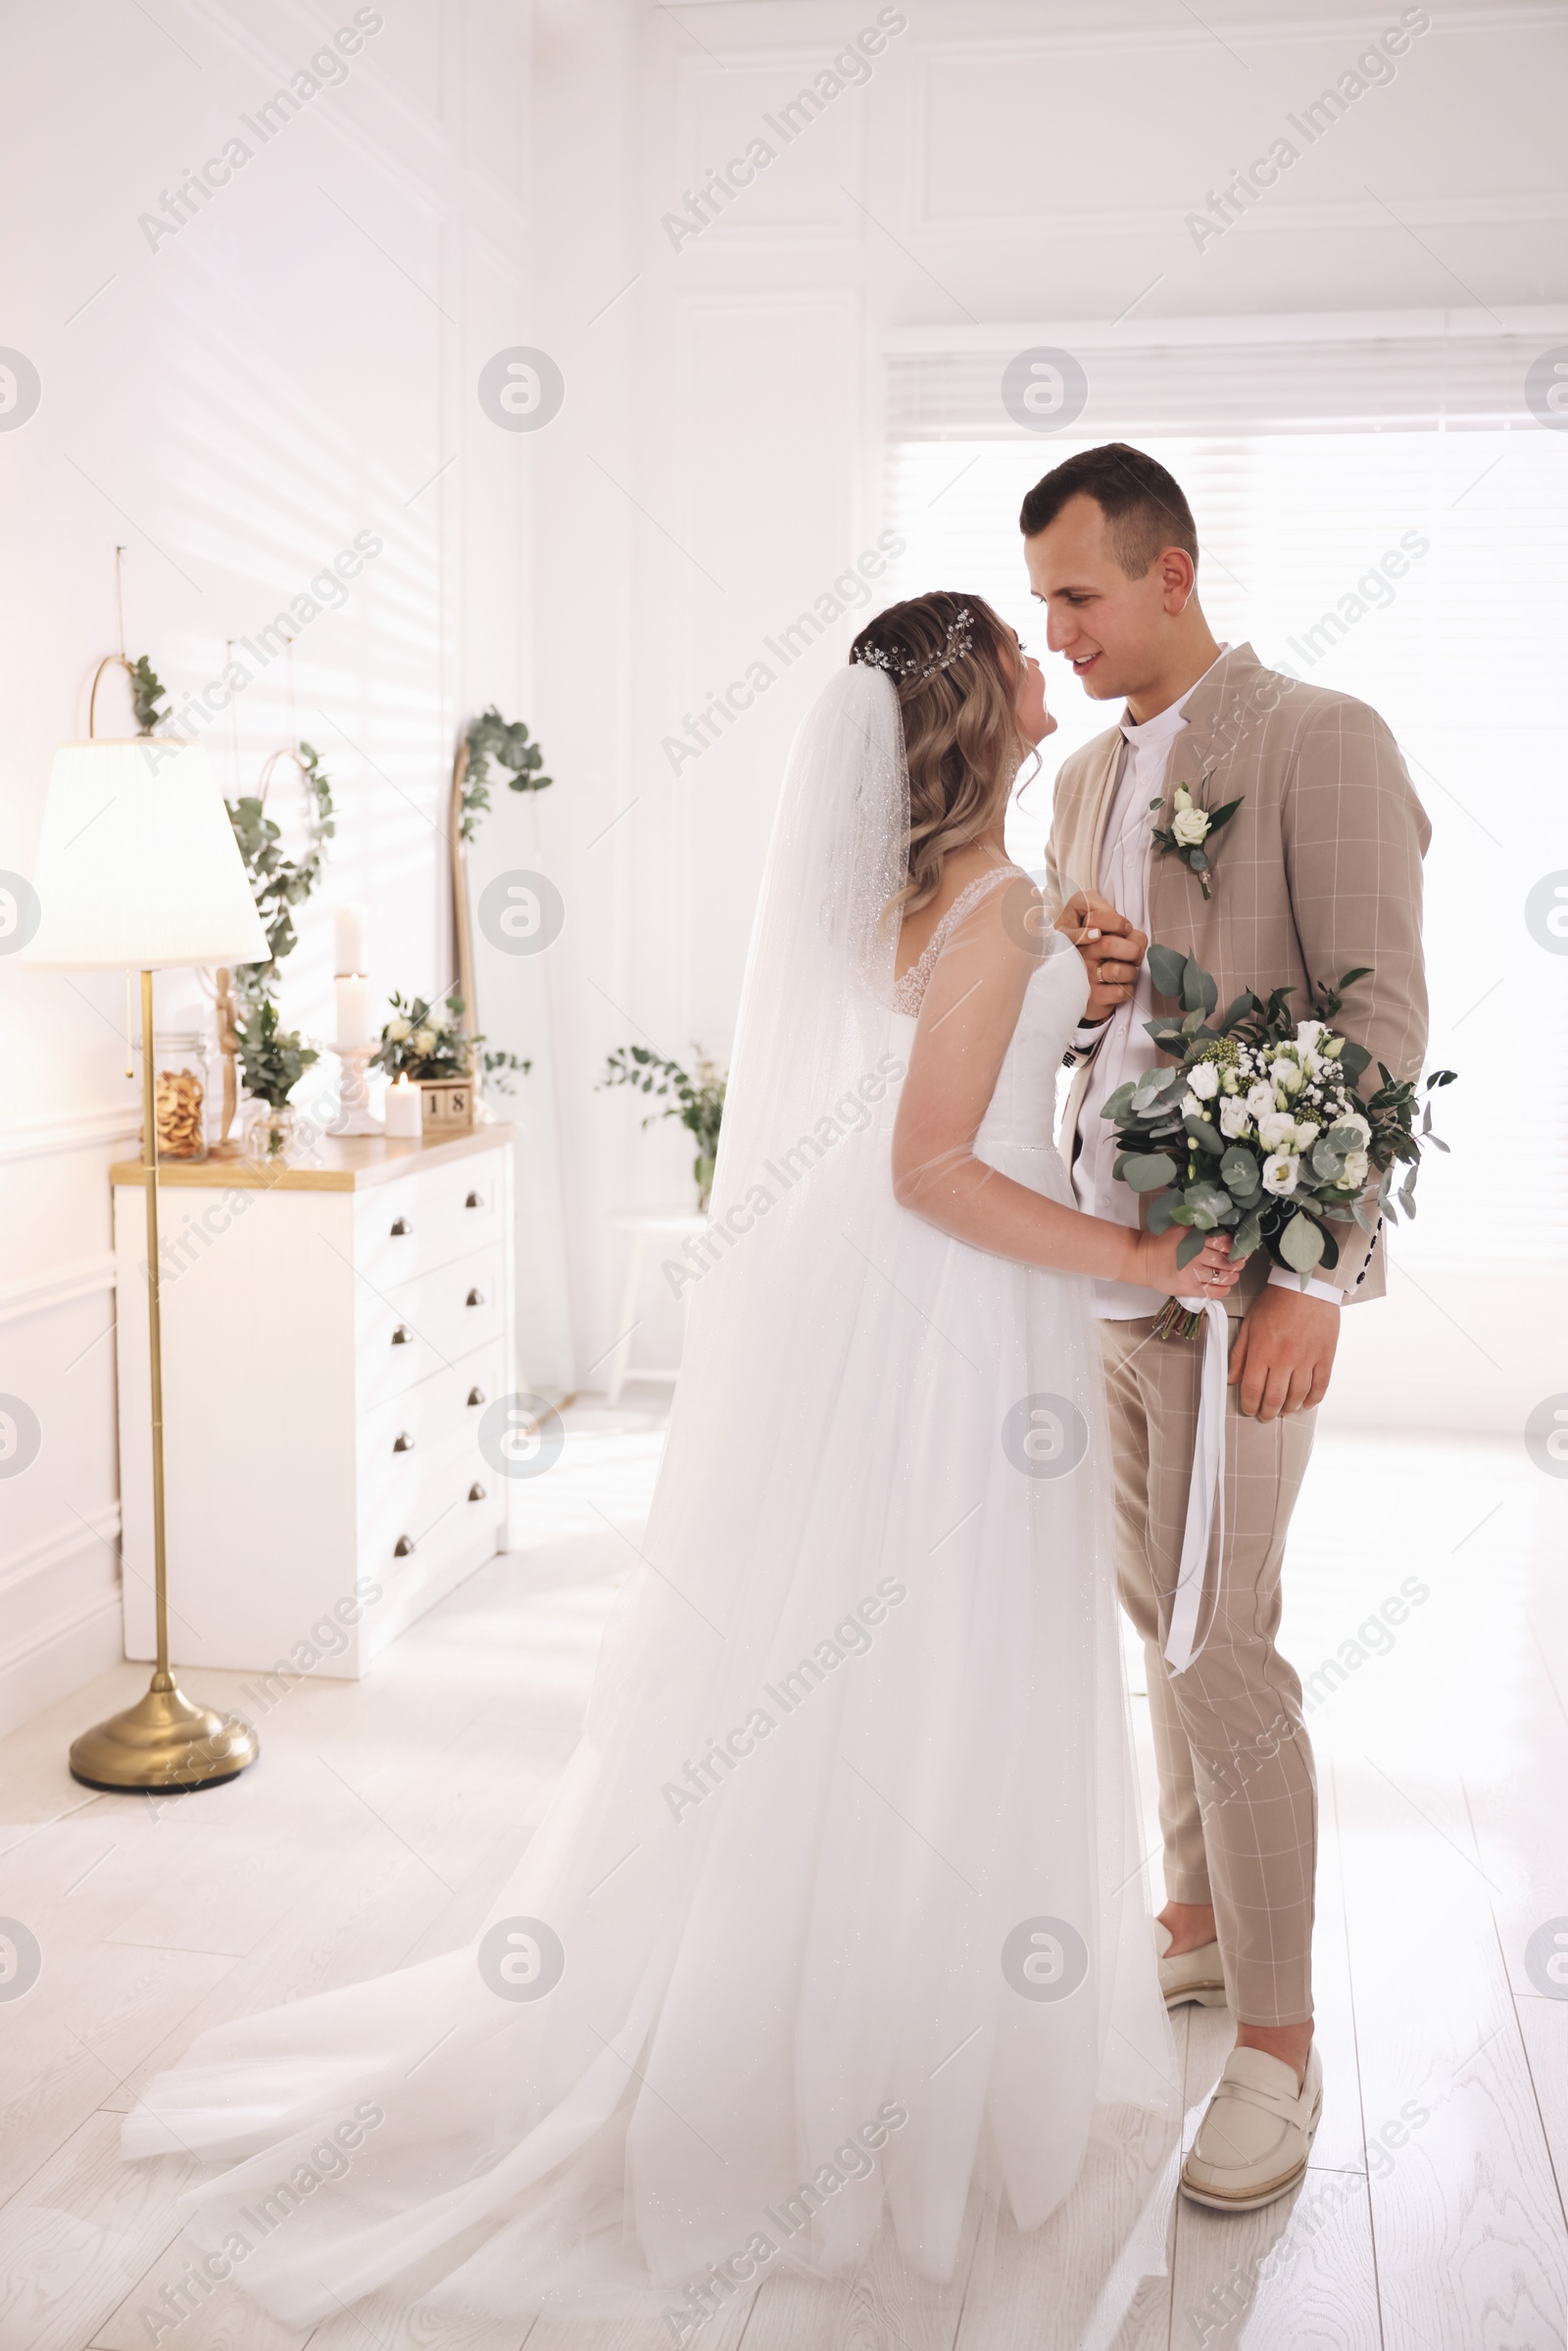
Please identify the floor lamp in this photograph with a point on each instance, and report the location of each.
(138, 870)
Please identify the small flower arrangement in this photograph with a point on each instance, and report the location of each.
(422, 1039)
(272, 1060)
(1258, 1127)
(1192, 827)
(698, 1101)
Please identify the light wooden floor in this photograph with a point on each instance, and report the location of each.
(383, 1813)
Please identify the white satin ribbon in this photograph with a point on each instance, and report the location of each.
(1206, 1495)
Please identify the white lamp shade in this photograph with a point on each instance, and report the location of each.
(138, 867)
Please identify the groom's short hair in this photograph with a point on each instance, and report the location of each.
(1144, 505)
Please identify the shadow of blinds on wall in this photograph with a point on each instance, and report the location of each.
(1415, 557)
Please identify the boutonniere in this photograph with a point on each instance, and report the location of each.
(1192, 827)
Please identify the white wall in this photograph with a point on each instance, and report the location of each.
(235, 402)
(1002, 162)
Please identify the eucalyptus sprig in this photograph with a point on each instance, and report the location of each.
(511, 747)
(147, 693)
(278, 884)
(697, 1100)
(272, 1061)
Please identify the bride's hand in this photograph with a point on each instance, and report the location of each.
(1208, 1275)
(1112, 949)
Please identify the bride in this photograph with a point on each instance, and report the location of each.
(836, 1908)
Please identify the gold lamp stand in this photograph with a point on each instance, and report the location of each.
(163, 1742)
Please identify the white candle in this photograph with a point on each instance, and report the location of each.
(405, 1110)
(353, 1011)
(348, 942)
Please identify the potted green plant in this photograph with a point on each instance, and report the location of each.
(697, 1100)
(427, 1044)
(273, 1061)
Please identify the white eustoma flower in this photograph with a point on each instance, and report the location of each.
(1203, 1079)
(1260, 1099)
(1230, 1079)
(1334, 1048)
(1235, 1118)
(1289, 1076)
(1280, 1172)
(1276, 1130)
(1192, 1107)
(1307, 1032)
(1353, 1118)
(1308, 1131)
(1189, 826)
(1356, 1167)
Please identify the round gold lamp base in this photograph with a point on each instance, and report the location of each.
(164, 1741)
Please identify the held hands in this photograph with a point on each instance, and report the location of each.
(1111, 950)
(1208, 1275)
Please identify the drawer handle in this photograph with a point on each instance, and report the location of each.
(401, 1336)
(403, 1546)
(476, 1491)
(401, 1225)
(476, 1396)
(475, 1297)
(476, 1199)
(403, 1443)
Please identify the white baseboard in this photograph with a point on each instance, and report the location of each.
(57, 1658)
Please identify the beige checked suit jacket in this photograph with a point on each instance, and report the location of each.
(1319, 870)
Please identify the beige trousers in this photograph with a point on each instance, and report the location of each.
(1237, 1796)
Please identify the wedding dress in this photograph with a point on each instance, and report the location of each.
(837, 1909)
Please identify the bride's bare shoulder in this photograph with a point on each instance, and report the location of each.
(991, 897)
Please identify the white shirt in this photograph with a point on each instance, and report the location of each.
(1122, 1047)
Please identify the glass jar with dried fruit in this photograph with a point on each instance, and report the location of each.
(180, 1093)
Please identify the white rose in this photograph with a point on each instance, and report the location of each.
(1189, 826)
(1260, 1099)
(1276, 1130)
(1356, 1165)
(1203, 1079)
(397, 1030)
(1280, 1172)
(1235, 1118)
(424, 1041)
(1181, 798)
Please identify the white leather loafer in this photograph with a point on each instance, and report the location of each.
(1191, 1975)
(1253, 2142)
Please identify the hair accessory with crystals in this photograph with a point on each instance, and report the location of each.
(959, 641)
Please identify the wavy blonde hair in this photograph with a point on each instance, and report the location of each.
(950, 661)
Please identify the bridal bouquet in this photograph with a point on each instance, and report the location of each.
(1257, 1127)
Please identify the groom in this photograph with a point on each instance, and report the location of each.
(1318, 871)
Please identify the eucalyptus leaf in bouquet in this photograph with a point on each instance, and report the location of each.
(1255, 1125)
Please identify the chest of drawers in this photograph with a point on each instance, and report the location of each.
(331, 1336)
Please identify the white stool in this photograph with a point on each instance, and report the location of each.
(644, 1229)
